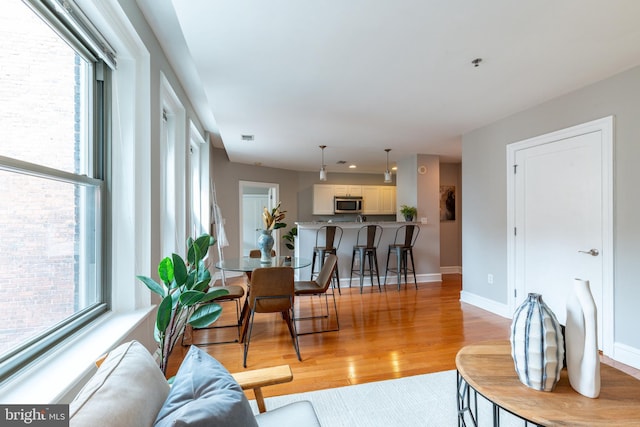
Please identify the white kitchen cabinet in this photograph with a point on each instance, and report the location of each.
(371, 200)
(379, 199)
(388, 200)
(323, 199)
(347, 190)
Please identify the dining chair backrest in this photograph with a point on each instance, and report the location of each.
(373, 234)
(324, 278)
(410, 235)
(271, 289)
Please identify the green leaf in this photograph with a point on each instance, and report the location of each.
(199, 248)
(180, 270)
(279, 225)
(154, 286)
(165, 270)
(190, 298)
(205, 315)
(202, 285)
(216, 293)
(164, 313)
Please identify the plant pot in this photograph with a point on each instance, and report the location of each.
(265, 244)
(408, 218)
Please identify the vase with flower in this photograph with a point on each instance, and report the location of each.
(272, 220)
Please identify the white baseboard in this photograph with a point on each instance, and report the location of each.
(627, 355)
(486, 304)
(392, 279)
(454, 269)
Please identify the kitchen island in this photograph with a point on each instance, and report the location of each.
(307, 238)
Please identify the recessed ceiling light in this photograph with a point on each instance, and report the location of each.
(352, 166)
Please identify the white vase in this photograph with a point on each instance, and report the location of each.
(581, 337)
(537, 345)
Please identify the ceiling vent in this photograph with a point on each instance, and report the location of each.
(247, 137)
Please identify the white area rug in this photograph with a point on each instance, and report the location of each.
(421, 400)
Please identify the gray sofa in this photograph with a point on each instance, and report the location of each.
(129, 389)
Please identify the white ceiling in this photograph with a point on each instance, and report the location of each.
(360, 76)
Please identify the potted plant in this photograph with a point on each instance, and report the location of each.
(184, 292)
(409, 212)
(290, 237)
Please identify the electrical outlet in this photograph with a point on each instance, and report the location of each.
(490, 279)
(424, 220)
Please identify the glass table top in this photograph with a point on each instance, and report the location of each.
(250, 264)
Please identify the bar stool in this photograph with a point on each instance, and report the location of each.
(366, 250)
(328, 238)
(402, 248)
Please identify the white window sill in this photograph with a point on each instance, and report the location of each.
(57, 377)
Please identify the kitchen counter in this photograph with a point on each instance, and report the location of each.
(307, 238)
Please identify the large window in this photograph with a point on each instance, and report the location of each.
(52, 180)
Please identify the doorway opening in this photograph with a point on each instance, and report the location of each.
(254, 197)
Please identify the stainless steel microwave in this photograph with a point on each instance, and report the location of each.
(343, 204)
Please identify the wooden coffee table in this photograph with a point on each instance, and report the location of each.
(488, 369)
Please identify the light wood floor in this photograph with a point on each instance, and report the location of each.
(383, 335)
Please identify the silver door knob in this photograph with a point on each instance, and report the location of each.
(592, 252)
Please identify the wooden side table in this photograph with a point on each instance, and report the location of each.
(487, 369)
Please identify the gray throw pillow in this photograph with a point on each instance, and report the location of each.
(205, 394)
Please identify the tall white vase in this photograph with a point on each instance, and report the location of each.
(537, 346)
(581, 338)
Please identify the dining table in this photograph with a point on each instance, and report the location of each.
(247, 265)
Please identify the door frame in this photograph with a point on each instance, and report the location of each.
(605, 126)
(273, 191)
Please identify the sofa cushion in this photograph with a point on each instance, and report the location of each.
(205, 394)
(127, 390)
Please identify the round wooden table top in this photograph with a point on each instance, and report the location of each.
(489, 369)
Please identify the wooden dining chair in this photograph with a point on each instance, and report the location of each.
(235, 294)
(320, 286)
(272, 291)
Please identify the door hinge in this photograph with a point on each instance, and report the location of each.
(515, 169)
(515, 293)
(515, 231)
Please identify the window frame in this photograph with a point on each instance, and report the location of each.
(74, 28)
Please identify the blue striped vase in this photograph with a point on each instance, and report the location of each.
(537, 344)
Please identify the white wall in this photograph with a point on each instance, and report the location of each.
(484, 238)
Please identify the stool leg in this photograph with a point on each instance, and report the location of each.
(313, 265)
(375, 259)
(353, 257)
(413, 270)
(386, 268)
(338, 280)
(399, 264)
(362, 257)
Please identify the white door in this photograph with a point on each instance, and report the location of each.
(254, 197)
(561, 221)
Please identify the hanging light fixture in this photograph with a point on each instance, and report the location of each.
(387, 173)
(323, 171)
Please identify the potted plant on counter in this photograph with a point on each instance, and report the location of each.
(409, 212)
(184, 290)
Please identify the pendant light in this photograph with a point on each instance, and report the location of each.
(323, 171)
(387, 173)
